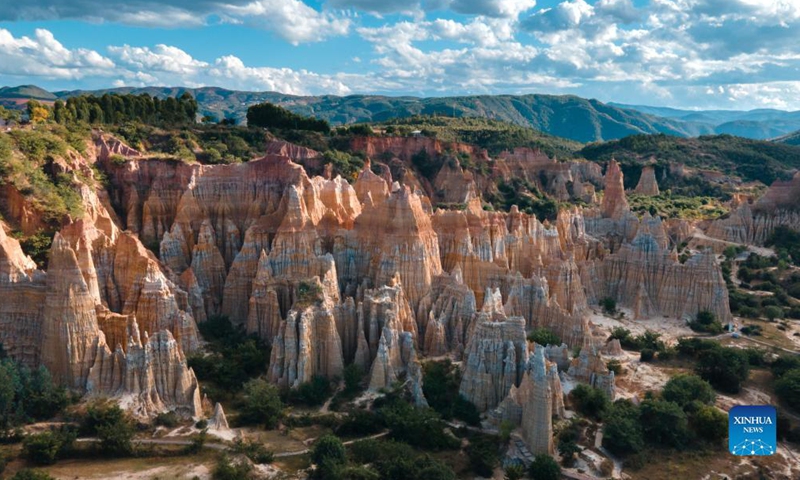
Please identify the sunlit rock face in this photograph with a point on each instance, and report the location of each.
(331, 272)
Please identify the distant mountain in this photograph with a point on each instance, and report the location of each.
(16, 97)
(565, 116)
(790, 139)
(760, 124)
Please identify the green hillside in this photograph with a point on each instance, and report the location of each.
(560, 115)
(790, 139)
(493, 135)
(749, 159)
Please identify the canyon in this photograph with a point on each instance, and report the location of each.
(331, 272)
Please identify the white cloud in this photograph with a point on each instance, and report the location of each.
(292, 20)
(44, 56)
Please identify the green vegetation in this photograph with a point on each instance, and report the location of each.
(787, 380)
(493, 135)
(670, 205)
(329, 455)
(589, 401)
(749, 159)
(29, 474)
(684, 389)
(706, 322)
(312, 393)
(609, 306)
(268, 115)
(543, 336)
(524, 195)
(115, 109)
(649, 340)
(786, 242)
(421, 427)
(399, 461)
(441, 381)
(25, 160)
(232, 357)
(260, 404)
(622, 430)
(544, 467)
(47, 447)
(112, 427)
(27, 395)
(483, 454)
(227, 469)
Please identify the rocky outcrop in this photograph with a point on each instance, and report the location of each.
(495, 360)
(589, 367)
(307, 344)
(647, 182)
(615, 203)
(218, 420)
(537, 409)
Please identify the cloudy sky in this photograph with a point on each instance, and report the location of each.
(738, 54)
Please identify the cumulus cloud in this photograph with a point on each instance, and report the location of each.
(44, 56)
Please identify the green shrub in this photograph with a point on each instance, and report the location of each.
(483, 455)
(544, 467)
(609, 305)
(441, 382)
(167, 419)
(788, 388)
(46, 447)
(684, 389)
(724, 368)
(589, 401)
(710, 424)
(254, 450)
(28, 474)
(544, 337)
(622, 430)
(706, 322)
(225, 469)
(664, 423)
(261, 404)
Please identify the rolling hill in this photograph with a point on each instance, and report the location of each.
(565, 116)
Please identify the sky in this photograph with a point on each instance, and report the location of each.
(696, 54)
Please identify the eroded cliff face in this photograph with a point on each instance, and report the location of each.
(331, 273)
(754, 223)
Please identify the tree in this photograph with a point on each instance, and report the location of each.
(28, 474)
(544, 337)
(117, 438)
(622, 432)
(514, 471)
(609, 305)
(773, 312)
(590, 401)
(724, 368)
(353, 376)
(261, 404)
(267, 115)
(544, 467)
(788, 388)
(46, 447)
(707, 322)
(225, 469)
(329, 447)
(710, 423)
(483, 455)
(684, 389)
(664, 423)
(37, 112)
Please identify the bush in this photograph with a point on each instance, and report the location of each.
(544, 337)
(225, 469)
(483, 455)
(788, 388)
(724, 368)
(647, 355)
(710, 424)
(589, 401)
(544, 467)
(328, 447)
(772, 313)
(664, 423)
(28, 474)
(353, 376)
(167, 419)
(45, 448)
(614, 366)
(441, 381)
(421, 427)
(261, 404)
(609, 306)
(514, 471)
(254, 450)
(272, 116)
(313, 393)
(706, 322)
(684, 389)
(622, 431)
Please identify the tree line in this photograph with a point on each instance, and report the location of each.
(115, 109)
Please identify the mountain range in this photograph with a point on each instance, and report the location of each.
(568, 116)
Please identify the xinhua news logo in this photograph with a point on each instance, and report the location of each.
(752, 430)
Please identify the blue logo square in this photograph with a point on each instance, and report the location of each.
(752, 430)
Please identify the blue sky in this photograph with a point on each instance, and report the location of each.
(684, 53)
